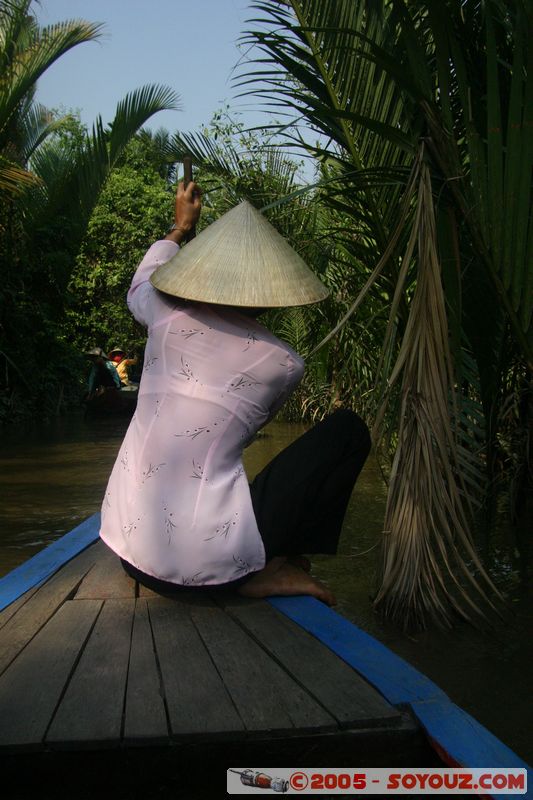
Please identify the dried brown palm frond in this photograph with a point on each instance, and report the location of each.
(429, 558)
(14, 179)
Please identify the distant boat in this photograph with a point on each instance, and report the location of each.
(113, 401)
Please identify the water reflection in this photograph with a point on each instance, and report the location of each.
(52, 478)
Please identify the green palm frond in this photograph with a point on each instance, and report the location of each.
(224, 163)
(479, 135)
(293, 327)
(103, 147)
(73, 178)
(54, 166)
(315, 60)
(235, 167)
(36, 126)
(27, 51)
(134, 110)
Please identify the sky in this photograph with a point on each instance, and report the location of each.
(190, 46)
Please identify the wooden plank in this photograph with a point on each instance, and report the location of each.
(197, 700)
(90, 712)
(30, 689)
(8, 612)
(25, 623)
(107, 579)
(398, 681)
(456, 736)
(48, 561)
(144, 591)
(347, 696)
(145, 715)
(265, 695)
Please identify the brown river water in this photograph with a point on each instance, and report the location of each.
(53, 477)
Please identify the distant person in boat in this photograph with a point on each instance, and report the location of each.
(178, 508)
(103, 375)
(122, 364)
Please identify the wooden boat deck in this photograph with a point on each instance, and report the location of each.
(92, 660)
(107, 689)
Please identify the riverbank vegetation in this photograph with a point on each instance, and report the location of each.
(417, 119)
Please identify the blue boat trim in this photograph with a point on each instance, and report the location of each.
(458, 737)
(42, 565)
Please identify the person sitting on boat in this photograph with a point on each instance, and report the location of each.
(103, 375)
(178, 508)
(119, 358)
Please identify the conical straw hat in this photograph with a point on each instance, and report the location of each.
(240, 260)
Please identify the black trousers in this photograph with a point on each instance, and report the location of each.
(300, 497)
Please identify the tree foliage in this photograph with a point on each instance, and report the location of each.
(26, 52)
(417, 115)
(382, 85)
(134, 209)
(50, 182)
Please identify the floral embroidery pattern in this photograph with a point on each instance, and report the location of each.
(170, 526)
(249, 420)
(196, 432)
(187, 332)
(193, 433)
(237, 474)
(187, 580)
(244, 382)
(150, 363)
(151, 471)
(252, 339)
(197, 470)
(222, 530)
(186, 370)
(124, 461)
(240, 564)
(129, 527)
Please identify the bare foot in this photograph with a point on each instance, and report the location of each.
(300, 561)
(286, 579)
(273, 565)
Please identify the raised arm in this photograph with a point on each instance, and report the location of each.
(187, 211)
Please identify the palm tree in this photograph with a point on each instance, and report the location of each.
(26, 52)
(70, 178)
(48, 188)
(422, 113)
(63, 180)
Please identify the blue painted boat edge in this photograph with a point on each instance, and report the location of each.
(458, 737)
(42, 565)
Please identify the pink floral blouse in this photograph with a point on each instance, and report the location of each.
(177, 505)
